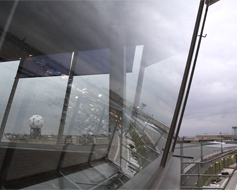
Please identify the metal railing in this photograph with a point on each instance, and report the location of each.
(199, 170)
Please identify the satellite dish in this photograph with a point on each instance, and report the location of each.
(36, 122)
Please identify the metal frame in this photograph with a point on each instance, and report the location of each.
(121, 147)
(11, 97)
(10, 151)
(190, 80)
(183, 86)
(66, 99)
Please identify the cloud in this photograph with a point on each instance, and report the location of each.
(212, 103)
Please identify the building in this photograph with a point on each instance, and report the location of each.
(75, 63)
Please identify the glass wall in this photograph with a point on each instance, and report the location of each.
(8, 72)
(97, 81)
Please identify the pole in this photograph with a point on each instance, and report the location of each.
(66, 99)
(221, 145)
(190, 80)
(201, 150)
(183, 85)
(121, 148)
(198, 176)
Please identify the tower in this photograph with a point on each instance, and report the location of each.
(36, 123)
(234, 129)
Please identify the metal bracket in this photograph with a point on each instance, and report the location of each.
(203, 36)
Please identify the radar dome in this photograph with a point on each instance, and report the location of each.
(36, 122)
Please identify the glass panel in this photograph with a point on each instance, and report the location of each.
(93, 62)
(123, 88)
(88, 115)
(8, 72)
(34, 97)
(36, 108)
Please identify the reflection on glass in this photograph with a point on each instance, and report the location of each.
(98, 61)
(46, 65)
(87, 116)
(93, 62)
(36, 96)
(118, 99)
(8, 72)
(160, 93)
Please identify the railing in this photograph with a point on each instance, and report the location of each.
(201, 173)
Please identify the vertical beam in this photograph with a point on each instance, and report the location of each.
(121, 148)
(181, 160)
(201, 144)
(11, 97)
(198, 176)
(221, 145)
(64, 111)
(181, 153)
(183, 86)
(66, 99)
(190, 80)
(10, 151)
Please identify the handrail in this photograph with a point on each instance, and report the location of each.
(212, 160)
(205, 162)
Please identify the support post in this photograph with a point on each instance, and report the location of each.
(198, 176)
(221, 145)
(190, 80)
(201, 144)
(121, 148)
(183, 86)
(66, 99)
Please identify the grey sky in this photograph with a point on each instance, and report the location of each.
(212, 105)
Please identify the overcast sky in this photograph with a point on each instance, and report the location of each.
(212, 104)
